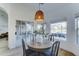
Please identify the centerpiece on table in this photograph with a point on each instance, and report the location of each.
(40, 35)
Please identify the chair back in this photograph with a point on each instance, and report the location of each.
(24, 48)
(55, 48)
(51, 37)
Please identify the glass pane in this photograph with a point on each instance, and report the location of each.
(59, 30)
(29, 31)
(39, 32)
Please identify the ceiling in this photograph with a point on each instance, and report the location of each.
(53, 10)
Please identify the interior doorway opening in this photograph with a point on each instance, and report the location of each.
(3, 30)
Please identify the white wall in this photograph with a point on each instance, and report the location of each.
(70, 41)
(18, 12)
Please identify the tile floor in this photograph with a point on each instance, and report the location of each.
(4, 51)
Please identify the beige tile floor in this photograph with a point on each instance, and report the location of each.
(4, 51)
(3, 45)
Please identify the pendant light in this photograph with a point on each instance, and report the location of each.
(39, 16)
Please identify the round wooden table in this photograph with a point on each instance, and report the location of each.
(39, 47)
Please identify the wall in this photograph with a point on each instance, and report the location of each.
(70, 41)
(11, 24)
(17, 13)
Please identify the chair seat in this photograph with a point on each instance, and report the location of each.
(47, 52)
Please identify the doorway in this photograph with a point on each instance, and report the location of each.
(3, 31)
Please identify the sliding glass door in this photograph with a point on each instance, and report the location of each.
(29, 32)
(24, 30)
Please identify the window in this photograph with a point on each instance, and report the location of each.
(24, 31)
(77, 29)
(59, 30)
(39, 31)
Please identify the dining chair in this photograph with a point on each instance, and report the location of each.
(52, 51)
(51, 37)
(55, 48)
(27, 52)
(24, 49)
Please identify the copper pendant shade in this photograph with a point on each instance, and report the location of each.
(39, 16)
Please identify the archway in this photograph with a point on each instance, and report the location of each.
(3, 30)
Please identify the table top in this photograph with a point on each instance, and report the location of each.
(38, 45)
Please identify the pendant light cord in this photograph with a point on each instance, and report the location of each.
(39, 6)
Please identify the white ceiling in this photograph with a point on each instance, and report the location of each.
(53, 10)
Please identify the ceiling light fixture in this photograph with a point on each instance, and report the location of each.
(39, 16)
